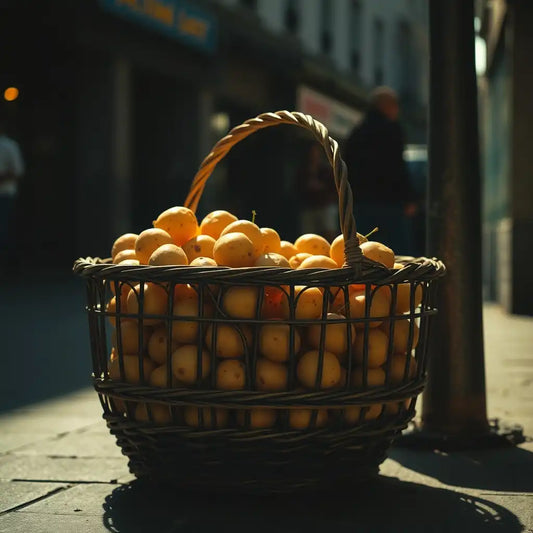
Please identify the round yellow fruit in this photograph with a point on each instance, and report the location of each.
(205, 417)
(375, 377)
(234, 250)
(318, 261)
(203, 262)
(287, 249)
(231, 375)
(129, 337)
(271, 240)
(168, 254)
(308, 303)
(179, 222)
(397, 368)
(308, 369)
(403, 297)
(214, 222)
(199, 246)
(251, 230)
(352, 414)
(297, 259)
(131, 369)
(124, 242)
(153, 412)
(303, 418)
(112, 308)
(124, 255)
(336, 251)
(240, 301)
(378, 252)
(186, 364)
(272, 259)
(185, 331)
(275, 341)
(377, 347)
(257, 418)
(230, 342)
(148, 241)
(336, 335)
(154, 302)
(400, 337)
(270, 376)
(313, 244)
(379, 305)
(158, 345)
(159, 378)
(129, 262)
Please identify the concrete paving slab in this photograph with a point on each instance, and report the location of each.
(36, 523)
(16, 493)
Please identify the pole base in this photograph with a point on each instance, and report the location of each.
(499, 435)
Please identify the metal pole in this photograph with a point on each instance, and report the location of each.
(454, 403)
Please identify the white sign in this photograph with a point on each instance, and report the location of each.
(336, 116)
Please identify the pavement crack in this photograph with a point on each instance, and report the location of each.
(34, 500)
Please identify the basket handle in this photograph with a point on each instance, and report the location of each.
(352, 253)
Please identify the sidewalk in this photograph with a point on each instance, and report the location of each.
(61, 471)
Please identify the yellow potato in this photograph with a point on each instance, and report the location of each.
(270, 376)
(258, 418)
(297, 259)
(155, 301)
(153, 412)
(185, 331)
(168, 254)
(318, 261)
(403, 297)
(184, 291)
(148, 241)
(303, 418)
(112, 308)
(129, 337)
(231, 375)
(205, 417)
(378, 345)
(287, 249)
(313, 244)
(159, 378)
(251, 230)
(308, 368)
(336, 335)
(397, 368)
(124, 242)
(336, 251)
(240, 301)
(234, 250)
(158, 344)
(272, 259)
(186, 364)
(378, 252)
(393, 408)
(179, 222)
(274, 341)
(231, 341)
(199, 246)
(129, 262)
(124, 255)
(352, 414)
(375, 377)
(271, 240)
(214, 222)
(131, 369)
(400, 340)
(308, 303)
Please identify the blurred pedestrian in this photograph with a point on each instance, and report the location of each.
(317, 194)
(11, 172)
(378, 173)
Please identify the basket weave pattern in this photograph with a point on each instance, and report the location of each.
(316, 436)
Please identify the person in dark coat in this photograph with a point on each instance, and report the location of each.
(378, 175)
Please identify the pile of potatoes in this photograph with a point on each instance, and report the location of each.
(262, 338)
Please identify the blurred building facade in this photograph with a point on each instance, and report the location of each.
(506, 118)
(120, 100)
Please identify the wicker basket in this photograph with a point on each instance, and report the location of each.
(261, 437)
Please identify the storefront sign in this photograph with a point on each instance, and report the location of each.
(336, 116)
(177, 19)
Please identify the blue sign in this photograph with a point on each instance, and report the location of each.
(177, 19)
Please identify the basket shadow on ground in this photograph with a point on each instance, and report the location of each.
(506, 468)
(385, 504)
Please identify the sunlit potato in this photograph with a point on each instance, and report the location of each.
(126, 241)
(155, 302)
(230, 341)
(179, 222)
(377, 346)
(214, 222)
(251, 230)
(308, 303)
(199, 246)
(187, 366)
(148, 241)
(308, 368)
(275, 341)
(271, 240)
(313, 244)
(168, 254)
(234, 250)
